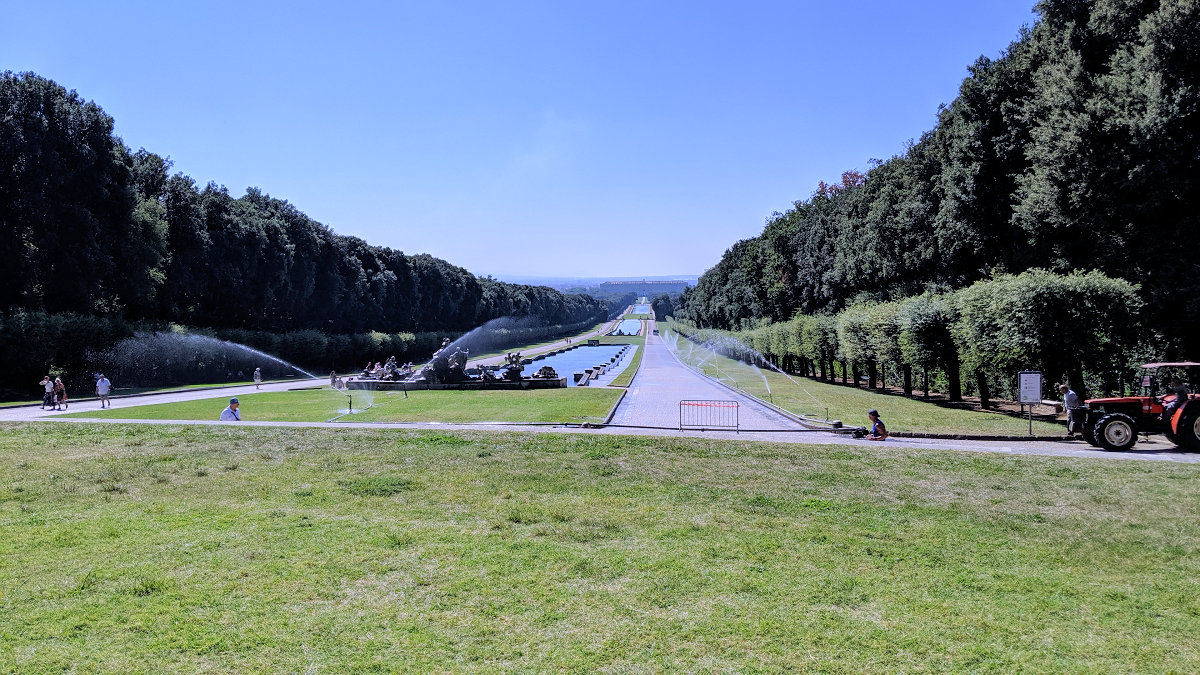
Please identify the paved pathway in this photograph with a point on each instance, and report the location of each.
(34, 412)
(655, 393)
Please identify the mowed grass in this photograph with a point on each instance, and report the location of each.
(236, 549)
(572, 404)
(802, 395)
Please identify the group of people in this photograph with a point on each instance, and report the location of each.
(55, 392)
(386, 370)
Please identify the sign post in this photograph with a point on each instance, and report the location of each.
(1030, 386)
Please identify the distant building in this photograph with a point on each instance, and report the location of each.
(643, 287)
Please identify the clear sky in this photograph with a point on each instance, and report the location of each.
(603, 138)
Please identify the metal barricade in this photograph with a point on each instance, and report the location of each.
(708, 415)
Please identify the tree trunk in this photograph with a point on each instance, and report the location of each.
(1075, 379)
(855, 373)
(872, 373)
(907, 379)
(924, 381)
(984, 393)
(954, 378)
(843, 363)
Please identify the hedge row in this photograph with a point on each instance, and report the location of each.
(1081, 327)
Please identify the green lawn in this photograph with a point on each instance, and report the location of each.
(810, 397)
(637, 316)
(241, 549)
(573, 404)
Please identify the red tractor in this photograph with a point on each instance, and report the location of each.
(1114, 423)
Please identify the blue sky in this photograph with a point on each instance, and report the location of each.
(520, 138)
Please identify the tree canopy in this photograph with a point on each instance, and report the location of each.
(91, 228)
(1078, 148)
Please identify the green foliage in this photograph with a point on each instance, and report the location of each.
(88, 228)
(1064, 325)
(1058, 324)
(1075, 149)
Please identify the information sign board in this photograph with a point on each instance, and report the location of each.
(1030, 385)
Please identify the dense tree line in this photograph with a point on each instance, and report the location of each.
(1073, 328)
(1077, 149)
(90, 228)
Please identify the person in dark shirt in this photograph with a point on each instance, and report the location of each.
(878, 430)
(1180, 390)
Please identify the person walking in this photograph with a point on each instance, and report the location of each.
(103, 388)
(48, 397)
(257, 378)
(60, 394)
(1076, 411)
(231, 413)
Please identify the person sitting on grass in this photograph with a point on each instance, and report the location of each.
(878, 430)
(231, 413)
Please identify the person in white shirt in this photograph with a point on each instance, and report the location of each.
(103, 388)
(231, 413)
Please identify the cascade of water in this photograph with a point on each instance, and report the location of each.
(204, 339)
(152, 359)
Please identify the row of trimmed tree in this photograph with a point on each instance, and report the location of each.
(1082, 328)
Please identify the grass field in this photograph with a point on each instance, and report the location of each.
(573, 404)
(234, 549)
(810, 397)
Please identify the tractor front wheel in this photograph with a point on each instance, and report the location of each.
(1115, 432)
(1089, 431)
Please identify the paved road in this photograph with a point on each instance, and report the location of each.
(34, 412)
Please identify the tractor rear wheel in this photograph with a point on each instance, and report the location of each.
(1188, 431)
(1115, 432)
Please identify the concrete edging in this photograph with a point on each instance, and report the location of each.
(613, 410)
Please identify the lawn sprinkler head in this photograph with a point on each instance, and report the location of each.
(350, 400)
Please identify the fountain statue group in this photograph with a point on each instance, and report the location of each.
(445, 366)
(448, 365)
